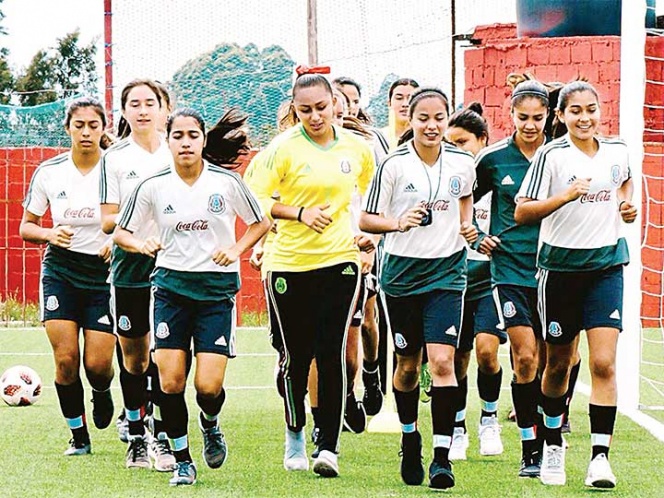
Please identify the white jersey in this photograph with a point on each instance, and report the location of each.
(483, 219)
(593, 220)
(72, 198)
(194, 221)
(403, 181)
(123, 166)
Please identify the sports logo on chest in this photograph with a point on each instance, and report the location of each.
(455, 186)
(192, 226)
(601, 196)
(216, 204)
(344, 165)
(615, 175)
(83, 213)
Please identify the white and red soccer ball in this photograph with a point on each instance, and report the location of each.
(20, 386)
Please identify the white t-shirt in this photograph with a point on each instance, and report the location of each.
(483, 219)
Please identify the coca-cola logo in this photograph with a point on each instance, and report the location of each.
(439, 205)
(192, 226)
(481, 214)
(85, 212)
(601, 196)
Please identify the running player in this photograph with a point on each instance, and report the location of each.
(580, 187)
(313, 263)
(421, 198)
(74, 291)
(398, 97)
(353, 92)
(194, 203)
(139, 155)
(468, 130)
(513, 249)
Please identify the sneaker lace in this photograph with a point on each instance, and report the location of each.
(214, 436)
(554, 457)
(138, 449)
(161, 447)
(490, 430)
(183, 469)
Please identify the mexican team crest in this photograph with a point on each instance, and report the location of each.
(345, 166)
(455, 186)
(615, 174)
(216, 204)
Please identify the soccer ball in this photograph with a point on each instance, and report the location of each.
(20, 386)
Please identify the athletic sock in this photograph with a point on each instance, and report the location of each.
(175, 415)
(210, 409)
(573, 376)
(488, 386)
(134, 389)
(72, 406)
(407, 404)
(602, 421)
(525, 398)
(443, 401)
(460, 405)
(553, 420)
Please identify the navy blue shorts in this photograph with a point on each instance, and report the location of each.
(480, 317)
(517, 307)
(178, 320)
(430, 318)
(571, 302)
(60, 300)
(131, 310)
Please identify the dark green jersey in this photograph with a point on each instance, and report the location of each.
(83, 271)
(199, 286)
(130, 269)
(479, 279)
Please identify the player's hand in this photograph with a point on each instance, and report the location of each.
(579, 187)
(256, 259)
(105, 251)
(469, 232)
(273, 228)
(411, 219)
(60, 236)
(316, 218)
(488, 244)
(366, 262)
(225, 257)
(150, 246)
(628, 211)
(365, 244)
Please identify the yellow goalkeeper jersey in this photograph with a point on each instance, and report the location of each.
(307, 175)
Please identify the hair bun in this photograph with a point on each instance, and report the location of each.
(475, 106)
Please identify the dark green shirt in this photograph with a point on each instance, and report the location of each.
(199, 286)
(83, 271)
(130, 269)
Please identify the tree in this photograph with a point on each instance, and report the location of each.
(6, 77)
(378, 103)
(66, 70)
(256, 82)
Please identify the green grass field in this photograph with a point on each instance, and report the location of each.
(32, 440)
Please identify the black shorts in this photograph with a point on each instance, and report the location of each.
(517, 307)
(480, 317)
(131, 310)
(60, 300)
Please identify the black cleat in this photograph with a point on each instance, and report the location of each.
(373, 396)
(355, 418)
(102, 410)
(215, 449)
(440, 475)
(412, 470)
(530, 464)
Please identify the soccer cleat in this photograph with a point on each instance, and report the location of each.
(373, 396)
(600, 474)
(412, 470)
(530, 465)
(355, 418)
(552, 471)
(440, 475)
(160, 452)
(489, 435)
(102, 410)
(215, 449)
(326, 464)
(122, 424)
(459, 444)
(78, 448)
(425, 384)
(137, 453)
(184, 474)
(295, 451)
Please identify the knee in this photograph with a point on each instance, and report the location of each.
(525, 364)
(557, 369)
(172, 384)
(66, 369)
(603, 368)
(461, 362)
(136, 366)
(487, 359)
(441, 366)
(408, 373)
(208, 390)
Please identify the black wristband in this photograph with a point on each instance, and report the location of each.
(620, 204)
(299, 214)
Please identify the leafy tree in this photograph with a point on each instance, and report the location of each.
(67, 70)
(6, 77)
(254, 81)
(377, 107)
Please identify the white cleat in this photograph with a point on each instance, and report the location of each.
(489, 434)
(295, 453)
(459, 444)
(600, 474)
(326, 464)
(553, 466)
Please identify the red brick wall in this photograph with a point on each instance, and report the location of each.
(20, 261)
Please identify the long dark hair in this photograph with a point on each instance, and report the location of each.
(418, 95)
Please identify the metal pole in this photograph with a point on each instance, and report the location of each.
(312, 32)
(108, 59)
(453, 20)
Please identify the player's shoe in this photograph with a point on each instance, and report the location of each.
(440, 475)
(122, 425)
(137, 453)
(326, 464)
(600, 474)
(215, 449)
(566, 428)
(459, 444)
(530, 464)
(425, 384)
(295, 451)
(373, 396)
(552, 471)
(160, 452)
(355, 418)
(412, 470)
(78, 448)
(102, 410)
(489, 435)
(184, 474)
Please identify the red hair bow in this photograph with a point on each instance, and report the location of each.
(301, 69)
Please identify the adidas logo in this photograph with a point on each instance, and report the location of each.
(221, 341)
(571, 180)
(410, 188)
(615, 315)
(169, 210)
(306, 169)
(348, 271)
(104, 320)
(507, 181)
(451, 331)
(132, 175)
(62, 195)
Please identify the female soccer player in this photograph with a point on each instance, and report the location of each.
(353, 92)
(421, 198)
(74, 292)
(398, 98)
(194, 204)
(313, 264)
(580, 187)
(139, 155)
(468, 130)
(501, 168)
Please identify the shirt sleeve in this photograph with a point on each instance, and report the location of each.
(245, 204)
(470, 178)
(36, 200)
(537, 181)
(266, 177)
(482, 178)
(109, 182)
(380, 190)
(138, 208)
(367, 172)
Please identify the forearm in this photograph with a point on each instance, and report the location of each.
(281, 211)
(377, 224)
(626, 191)
(531, 211)
(253, 235)
(31, 232)
(126, 240)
